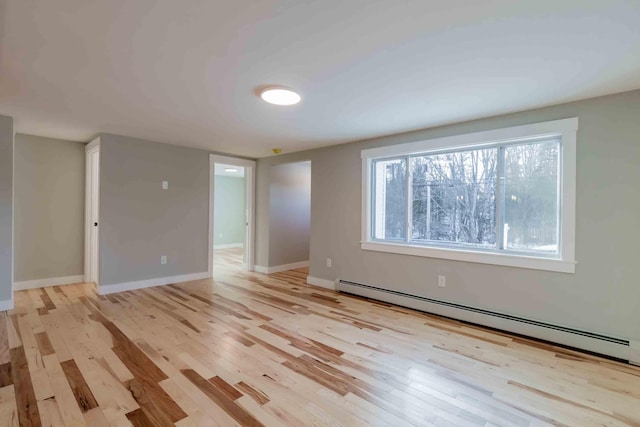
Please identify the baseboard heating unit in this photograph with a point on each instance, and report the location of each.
(589, 341)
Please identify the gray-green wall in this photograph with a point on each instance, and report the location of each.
(602, 296)
(229, 210)
(265, 209)
(289, 213)
(6, 208)
(140, 222)
(49, 208)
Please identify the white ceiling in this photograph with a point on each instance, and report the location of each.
(186, 71)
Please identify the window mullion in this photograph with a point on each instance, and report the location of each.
(500, 205)
(409, 215)
(373, 190)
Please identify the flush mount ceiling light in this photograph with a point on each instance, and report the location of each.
(279, 95)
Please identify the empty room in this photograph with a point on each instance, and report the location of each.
(319, 213)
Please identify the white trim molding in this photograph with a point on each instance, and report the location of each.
(279, 268)
(91, 213)
(321, 283)
(159, 281)
(565, 129)
(43, 283)
(6, 305)
(554, 127)
(634, 352)
(509, 260)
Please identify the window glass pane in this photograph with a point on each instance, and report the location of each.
(390, 199)
(531, 197)
(454, 198)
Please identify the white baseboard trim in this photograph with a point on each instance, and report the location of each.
(159, 281)
(43, 283)
(6, 305)
(228, 246)
(321, 283)
(279, 268)
(634, 352)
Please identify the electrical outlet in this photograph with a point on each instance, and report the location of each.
(442, 281)
(163, 259)
(165, 185)
(329, 262)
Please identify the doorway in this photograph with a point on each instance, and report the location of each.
(92, 209)
(231, 213)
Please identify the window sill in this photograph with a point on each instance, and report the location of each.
(509, 260)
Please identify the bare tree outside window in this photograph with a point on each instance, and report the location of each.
(390, 200)
(531, 197)
(455, 198)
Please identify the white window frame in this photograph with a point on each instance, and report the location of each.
(565, 129)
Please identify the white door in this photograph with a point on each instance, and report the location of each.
(92, 213)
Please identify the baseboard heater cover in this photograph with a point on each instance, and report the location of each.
(590, 341)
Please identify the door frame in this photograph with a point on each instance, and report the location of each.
(92, 176)
(250, 176)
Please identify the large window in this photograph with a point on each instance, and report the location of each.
(502, 197)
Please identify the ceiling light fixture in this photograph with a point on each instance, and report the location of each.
(280, 95)
(230, 170)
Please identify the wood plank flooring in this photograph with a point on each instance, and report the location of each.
(255, 350)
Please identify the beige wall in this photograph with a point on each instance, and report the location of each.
(6, 208)
(289, 213)
(602, 296)
(49, 208)
(140, 222)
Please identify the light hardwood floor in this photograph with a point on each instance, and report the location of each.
(224, 259)
(250, 349)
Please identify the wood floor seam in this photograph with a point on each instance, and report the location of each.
(248, 349)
